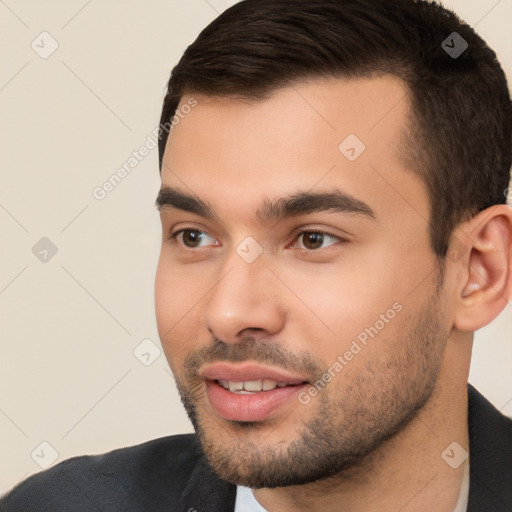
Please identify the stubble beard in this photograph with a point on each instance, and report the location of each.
(351, 420)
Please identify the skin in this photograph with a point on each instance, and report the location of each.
(387, 417)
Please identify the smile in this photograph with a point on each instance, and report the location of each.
(251, 386)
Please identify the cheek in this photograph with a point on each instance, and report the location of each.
(357, 312)
(338, 301)
(164, 298)
(178, 289)
(169, 308)
(178, 294)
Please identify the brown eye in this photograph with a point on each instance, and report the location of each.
(191, 238)
(313, 240)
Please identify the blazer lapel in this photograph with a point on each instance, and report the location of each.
(206, 492)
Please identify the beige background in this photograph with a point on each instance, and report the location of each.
(69, 326)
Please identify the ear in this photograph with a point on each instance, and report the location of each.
(483, 246)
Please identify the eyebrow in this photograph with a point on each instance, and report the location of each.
(294, 205)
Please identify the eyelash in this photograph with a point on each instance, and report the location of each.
(174, 236)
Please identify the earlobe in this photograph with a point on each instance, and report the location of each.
(486, 281)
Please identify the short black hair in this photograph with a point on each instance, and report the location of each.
(458, 139)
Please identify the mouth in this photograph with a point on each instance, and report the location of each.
(250, 387)
(250, 393)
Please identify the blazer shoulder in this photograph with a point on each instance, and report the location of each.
(147, 476)
(490, 456)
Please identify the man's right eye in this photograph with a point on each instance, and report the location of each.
(192, 238)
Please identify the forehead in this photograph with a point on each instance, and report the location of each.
(342, 133)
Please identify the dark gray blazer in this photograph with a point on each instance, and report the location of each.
(171, 475)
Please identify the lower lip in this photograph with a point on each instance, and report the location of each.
(253, 407)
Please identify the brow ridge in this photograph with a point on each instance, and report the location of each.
(294, 205)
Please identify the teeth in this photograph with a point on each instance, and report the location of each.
(269, 384)
(251, 386)
(235, 386)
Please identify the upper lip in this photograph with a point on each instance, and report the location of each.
(247, 372)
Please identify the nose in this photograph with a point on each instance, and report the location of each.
(245, 301)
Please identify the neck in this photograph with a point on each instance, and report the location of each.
(407, 473)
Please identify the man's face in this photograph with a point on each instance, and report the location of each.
(311, 271)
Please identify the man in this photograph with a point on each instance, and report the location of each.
(335, 229)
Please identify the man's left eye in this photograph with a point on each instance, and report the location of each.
(313, 240)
